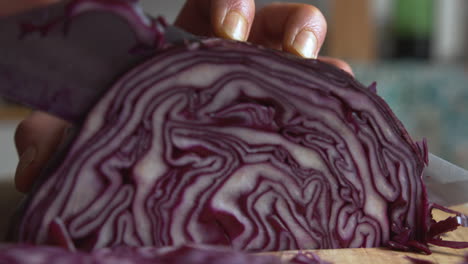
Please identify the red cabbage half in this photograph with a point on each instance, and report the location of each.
(227, 143)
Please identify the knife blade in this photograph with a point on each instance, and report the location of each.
(447, 183)
(65, 75)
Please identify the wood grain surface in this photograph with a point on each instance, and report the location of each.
(440, 255)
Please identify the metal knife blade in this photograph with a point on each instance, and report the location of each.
(444, 172)
(64, 74)
(447, 183)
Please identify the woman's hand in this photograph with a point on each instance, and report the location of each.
(295, 28)
(38, 135)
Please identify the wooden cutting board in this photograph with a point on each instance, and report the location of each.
(384, 256)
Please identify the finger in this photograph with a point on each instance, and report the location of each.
(338, 63)
(10, 7)
(296, 28)
(36, 139)
(231, 19)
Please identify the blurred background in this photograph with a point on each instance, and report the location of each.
(416, 50)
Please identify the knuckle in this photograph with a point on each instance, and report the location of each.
(310, 9)
(313, 17)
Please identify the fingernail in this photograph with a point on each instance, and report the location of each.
(305, 44)
(235, 26)
(26, 159)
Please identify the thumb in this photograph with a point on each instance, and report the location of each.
(36, 139)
